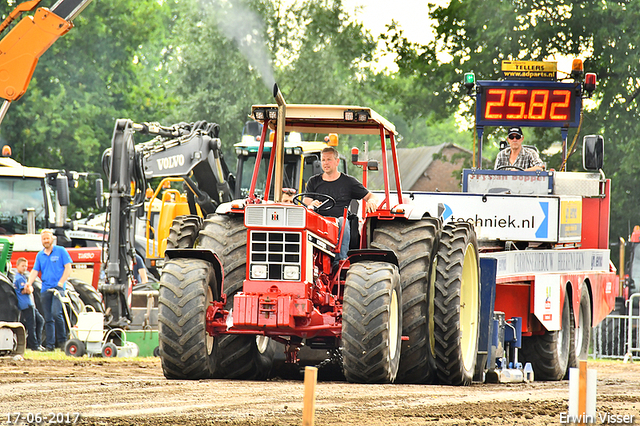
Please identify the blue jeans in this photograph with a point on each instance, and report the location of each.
(33, 322)
(346, 238)
(53, 318)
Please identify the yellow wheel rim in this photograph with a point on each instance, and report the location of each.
(469, 304)
(393, 325)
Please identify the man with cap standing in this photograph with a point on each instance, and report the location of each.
(517, 157)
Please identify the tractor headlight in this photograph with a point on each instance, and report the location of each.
(291, 272)
(258, 272)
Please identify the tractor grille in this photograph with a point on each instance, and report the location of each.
(280, 252)
(275, 216)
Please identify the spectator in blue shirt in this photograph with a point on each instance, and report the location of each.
(139, 271)
(54, 264)
(29, 315)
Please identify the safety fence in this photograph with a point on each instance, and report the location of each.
(618, 336)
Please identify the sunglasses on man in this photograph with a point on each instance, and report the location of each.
(515, 136)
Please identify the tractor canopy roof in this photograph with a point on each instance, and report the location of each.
(304, 146)
(341, 119)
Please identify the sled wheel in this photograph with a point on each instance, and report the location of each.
(581, 335)
(548, 353)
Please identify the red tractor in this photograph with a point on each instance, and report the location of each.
(404, 306)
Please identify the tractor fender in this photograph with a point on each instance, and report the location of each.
(356, 256)
(202, 254)
(424, 209)
(225, 208)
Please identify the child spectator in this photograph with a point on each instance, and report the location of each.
(29, 315)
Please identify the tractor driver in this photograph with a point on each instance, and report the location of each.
(518, 156)
(342, 188)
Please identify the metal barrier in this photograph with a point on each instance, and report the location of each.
(618, 336)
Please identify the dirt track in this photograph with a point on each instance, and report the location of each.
(125, 392)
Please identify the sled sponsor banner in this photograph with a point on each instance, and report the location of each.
(499, 217)
(546, 302)
(503, 181)
(531, 262)
(570, 219)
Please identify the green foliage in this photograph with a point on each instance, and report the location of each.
(188, 60)
(232, 52)
(477, 36)
(102, 69)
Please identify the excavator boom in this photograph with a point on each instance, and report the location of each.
(22, 46)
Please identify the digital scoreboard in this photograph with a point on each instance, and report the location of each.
(528, 103)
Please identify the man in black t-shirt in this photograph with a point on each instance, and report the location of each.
(342, 188)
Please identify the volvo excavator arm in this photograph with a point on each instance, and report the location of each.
(188, 150)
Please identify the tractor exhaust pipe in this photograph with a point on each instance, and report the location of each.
(279, 143)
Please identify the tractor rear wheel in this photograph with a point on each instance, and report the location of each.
(185, 293)
(457, 304)
(414, 243)
(184, 231)
(243, 357)
(548, 353)
(372, 323)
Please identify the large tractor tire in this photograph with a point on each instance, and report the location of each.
(457, 304)
(372, 323)
(9, 311)
(580, 335)
(88, 294)
(187, 287)
(414, 243)
(548, 353)
(242, 357)
(184, 231)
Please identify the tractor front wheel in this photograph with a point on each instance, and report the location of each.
(185, 293)
(372, 323)
(246, 357)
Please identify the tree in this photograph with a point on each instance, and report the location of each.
(477, 36)
(232, 52)
(102, 69)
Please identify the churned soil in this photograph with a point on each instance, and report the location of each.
(134, 392)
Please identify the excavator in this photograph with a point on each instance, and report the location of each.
(186, 152)
(21, 46)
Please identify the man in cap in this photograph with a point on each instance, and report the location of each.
(516, 156)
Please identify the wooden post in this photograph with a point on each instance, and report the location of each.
(582, 392)
(309, 405)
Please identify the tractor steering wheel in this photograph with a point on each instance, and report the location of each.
(326, 205)
(508, 166)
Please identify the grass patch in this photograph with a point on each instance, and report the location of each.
(59, 355)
